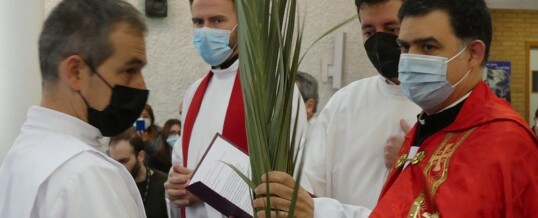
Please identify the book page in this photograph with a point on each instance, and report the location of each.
(215, 174)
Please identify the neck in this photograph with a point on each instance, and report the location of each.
(226, 64)
(70, 104)
(141, 175)
(394, 80)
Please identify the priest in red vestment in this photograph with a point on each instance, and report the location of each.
(470, 154)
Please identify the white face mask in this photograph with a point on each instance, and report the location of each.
(147, 123)
(172, 139)
(423, 78)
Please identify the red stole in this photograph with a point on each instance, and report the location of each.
(234, 123)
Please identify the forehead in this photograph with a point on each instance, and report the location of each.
(210, 8)
(380, 14)
(435, 24)
(121, 149)
(128, 42)
(145, 113)
(175, 128)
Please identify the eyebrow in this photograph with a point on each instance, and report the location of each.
(211, 18)
(384, 24)
(136, 61)
(424, 40)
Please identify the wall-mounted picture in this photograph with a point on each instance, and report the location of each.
(498, 78)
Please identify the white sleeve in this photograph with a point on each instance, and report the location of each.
(177, 152)
(318, 156)
(302, 128)
(328, 207)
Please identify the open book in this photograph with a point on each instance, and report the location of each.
(217, 184)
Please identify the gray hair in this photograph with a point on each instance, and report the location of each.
(82, 27)
(308, 86)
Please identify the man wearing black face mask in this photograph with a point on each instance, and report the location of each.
(346, 146)
(91, 55)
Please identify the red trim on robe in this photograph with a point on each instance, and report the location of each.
(234, 128)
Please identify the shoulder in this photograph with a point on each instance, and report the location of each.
(87, 164)
(159, 176)
(352, 92)
(501, 141)
(356, 87)
(189, 94)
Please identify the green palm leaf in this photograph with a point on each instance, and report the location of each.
(269, 52)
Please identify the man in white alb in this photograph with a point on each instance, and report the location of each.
(213, 104)
(91, 55)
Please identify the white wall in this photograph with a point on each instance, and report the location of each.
(533, 98)
(174, 64)
(20, 87)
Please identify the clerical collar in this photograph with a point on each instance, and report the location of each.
(421, 117)
(428, 125)
(227, 63)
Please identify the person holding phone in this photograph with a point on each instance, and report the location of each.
(149, 131)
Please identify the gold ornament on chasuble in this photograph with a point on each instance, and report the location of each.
(435, 174)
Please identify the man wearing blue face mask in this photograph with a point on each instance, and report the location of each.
(213, 104)
(470, 154)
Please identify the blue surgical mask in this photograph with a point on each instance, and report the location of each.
(423, 78)
(212, 44)
(172, 139)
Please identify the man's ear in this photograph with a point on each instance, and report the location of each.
(478, 50)
(71, 69)
(141, 156)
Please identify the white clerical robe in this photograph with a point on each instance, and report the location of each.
(210, 120)
(345, 155)
(54, 170)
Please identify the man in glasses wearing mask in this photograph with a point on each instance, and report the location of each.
(91, 56)
(347, 142)
(213, 104)
(470, 154)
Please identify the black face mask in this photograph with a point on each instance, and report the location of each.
(124, 108)
(384, 53)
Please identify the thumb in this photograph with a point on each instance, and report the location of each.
(182, 170)
(405, 126)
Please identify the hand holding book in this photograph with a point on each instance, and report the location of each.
(176, 187)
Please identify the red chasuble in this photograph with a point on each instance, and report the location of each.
(484, 164)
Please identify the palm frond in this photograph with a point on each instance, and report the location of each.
(269, 45)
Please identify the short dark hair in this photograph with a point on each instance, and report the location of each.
(82, 27)
(469, 19)
(359, 3)
(308, 86)
(134, 140)
(536, 113)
